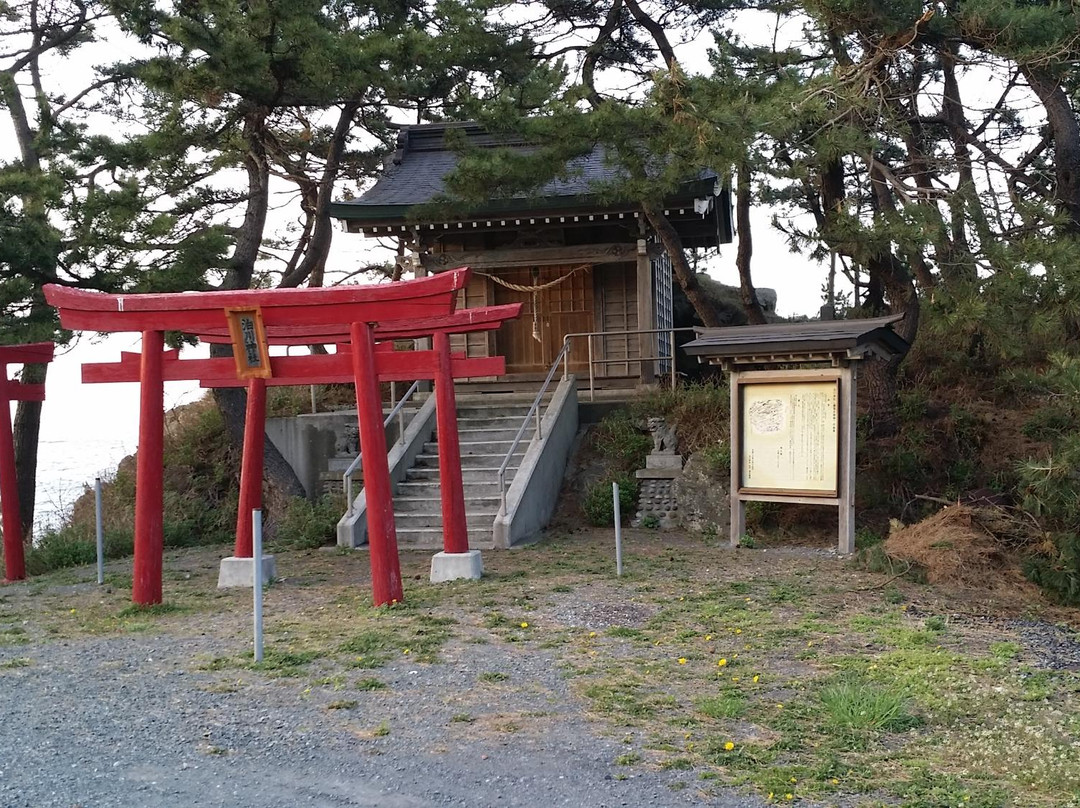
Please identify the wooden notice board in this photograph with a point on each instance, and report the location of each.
(790, 437)
(250, 348)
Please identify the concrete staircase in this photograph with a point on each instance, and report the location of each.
(486, 428)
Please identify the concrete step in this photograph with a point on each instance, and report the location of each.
(487, 487)
(493, 434)
(434, 521)
(472, 461)
(427, 503)
(490, 421)
(468, 475)
(499, 447)
(428, 539)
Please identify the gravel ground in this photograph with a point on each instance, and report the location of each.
(133, 721)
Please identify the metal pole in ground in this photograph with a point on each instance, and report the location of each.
(618, 528)
(257, 579)
(100, 532)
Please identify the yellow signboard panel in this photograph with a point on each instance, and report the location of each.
(250, 349)
(790, 438)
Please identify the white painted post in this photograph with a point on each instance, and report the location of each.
(100, 532)
(618, 528)
(257, 580)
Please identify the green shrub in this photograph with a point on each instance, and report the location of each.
(621, 442)
(1058, 574)
(598, 505)
(699, 413)
(75, 547)
(308, 525)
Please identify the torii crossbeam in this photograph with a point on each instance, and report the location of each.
(10, 390)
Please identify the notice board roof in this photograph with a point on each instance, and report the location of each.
(813, 341)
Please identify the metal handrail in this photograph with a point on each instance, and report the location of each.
(534, 411)
(346, 478)
(640, 331)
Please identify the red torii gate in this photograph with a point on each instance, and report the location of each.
(11, 390)
(287, 315)
(438, 364)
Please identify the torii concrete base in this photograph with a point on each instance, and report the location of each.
(456, 566)
(240, 571)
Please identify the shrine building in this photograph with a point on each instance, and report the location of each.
(579, 265)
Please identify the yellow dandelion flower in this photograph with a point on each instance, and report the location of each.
(682, 660)
(708, 637)
(779, 706)
(729, 746)
(524, 624)
(734, 678)
(756, 679)
(72, 611)
(770, 796)
(789, 796)
(405, 650)
(722, 663)
(835, 781)
(738, 631)
(592, 633)
(793, 780)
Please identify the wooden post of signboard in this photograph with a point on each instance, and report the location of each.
(847, 460)
(738, 504)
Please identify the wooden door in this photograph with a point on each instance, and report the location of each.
(564, 308)
(618, 292)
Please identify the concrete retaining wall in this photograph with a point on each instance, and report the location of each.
(531, 498)
(307, 443)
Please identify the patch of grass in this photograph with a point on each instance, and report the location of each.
(860, 705)
(491, 677)
(381, 731)
(154, 610)
(625, 698)
(1005, 650)
(726, 705)
(627, 759)
(462, 718)
(371, 683)
(627, 633)
(345, 704)
(677, 764)
(17, 662)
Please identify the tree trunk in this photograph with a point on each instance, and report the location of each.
(232, 404)
(684, 273)
(232, 401)
(27, 429)
(1066, 131)
(751, 304)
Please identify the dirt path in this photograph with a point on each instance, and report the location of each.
(702, 677)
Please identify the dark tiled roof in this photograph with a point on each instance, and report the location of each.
(793, 338)
(423, 159)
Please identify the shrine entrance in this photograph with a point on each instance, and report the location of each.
(562, 305)
(254, 318)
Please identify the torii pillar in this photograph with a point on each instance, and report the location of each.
(456, 559)
(35, 353)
